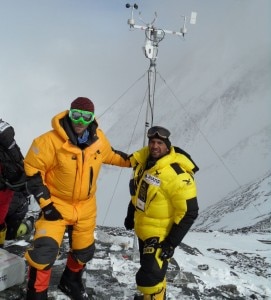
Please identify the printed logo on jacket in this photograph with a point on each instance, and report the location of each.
(152, 180)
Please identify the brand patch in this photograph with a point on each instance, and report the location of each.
(148, 250)
(152, 180)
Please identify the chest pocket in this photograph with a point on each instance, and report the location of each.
(142, 195)
(147, 191)
(133, 184)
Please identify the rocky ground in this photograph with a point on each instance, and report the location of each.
(107, 275)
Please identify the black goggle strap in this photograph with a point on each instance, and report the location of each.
(158, 131)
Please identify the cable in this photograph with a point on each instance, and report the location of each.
(118, 179)
(205, 138)
(201, 132)
(124, 93)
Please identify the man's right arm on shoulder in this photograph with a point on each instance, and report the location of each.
(118, 158)
(112, 156)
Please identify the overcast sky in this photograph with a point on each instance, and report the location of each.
(54, 51)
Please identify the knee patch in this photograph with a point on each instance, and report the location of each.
(43, 253)
(82, 256)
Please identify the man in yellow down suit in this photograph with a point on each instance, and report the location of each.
(162, 210)
(62, 167)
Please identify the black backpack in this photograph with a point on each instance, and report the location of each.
(12, 173)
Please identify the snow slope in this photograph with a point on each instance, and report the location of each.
(246, 209)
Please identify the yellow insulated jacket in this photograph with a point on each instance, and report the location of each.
(69, 173)
(163, 195)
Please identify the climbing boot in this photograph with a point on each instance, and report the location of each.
(37, 283)
(33, 295)
(71, 284)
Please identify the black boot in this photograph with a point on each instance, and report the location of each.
(71, 284)
(33, 295)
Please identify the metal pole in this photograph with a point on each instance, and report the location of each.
(153, 38)
(150, 106)
(148, 122)
(135, 249)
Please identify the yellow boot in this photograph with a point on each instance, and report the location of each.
(159, 296)
(3, 232)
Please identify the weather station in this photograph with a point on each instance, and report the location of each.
(153, 36)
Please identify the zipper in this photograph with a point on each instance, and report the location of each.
(90, 179)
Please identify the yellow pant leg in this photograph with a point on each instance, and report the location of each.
(152, 267)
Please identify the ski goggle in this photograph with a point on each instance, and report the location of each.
(81, 116)
(158, 131)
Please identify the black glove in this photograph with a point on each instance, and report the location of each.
(129, 220)
(167, 250)
(129, 223)
(35, 186)
(51, 213)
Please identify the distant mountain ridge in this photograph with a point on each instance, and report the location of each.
(217, 111)
(248, 209)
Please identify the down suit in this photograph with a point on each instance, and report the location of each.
(63, 172)
(164, 200)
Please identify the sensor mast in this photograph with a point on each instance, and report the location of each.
(153, 36)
